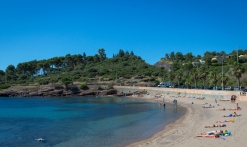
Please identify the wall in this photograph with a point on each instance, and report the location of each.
(216, 94)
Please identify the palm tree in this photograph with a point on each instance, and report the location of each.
(203, 75)
(195, 76)
(171, 76)
(238, 70)
(179, 74)
(225, 80)
(188, 82)
(213, 78)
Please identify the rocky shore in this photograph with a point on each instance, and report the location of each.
(53, 91)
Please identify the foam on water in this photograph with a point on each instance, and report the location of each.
(81, 121)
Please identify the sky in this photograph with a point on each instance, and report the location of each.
(42, 29)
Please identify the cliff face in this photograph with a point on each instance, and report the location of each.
(163, 63)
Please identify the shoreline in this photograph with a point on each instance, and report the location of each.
(184, 130)
(166, 129)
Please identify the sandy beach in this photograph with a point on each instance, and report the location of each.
(183, 132)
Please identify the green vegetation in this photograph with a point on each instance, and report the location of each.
(4, 86)
(84, 87)
(125, 68)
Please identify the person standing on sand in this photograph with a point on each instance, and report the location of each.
(215, 100)
(175, 102)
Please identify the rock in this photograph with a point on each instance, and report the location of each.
(107, 92)
(86, 93)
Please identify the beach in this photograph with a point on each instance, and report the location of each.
(183, 132)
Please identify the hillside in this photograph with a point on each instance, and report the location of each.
(126, 68)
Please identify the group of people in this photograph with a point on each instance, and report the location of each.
(218, 133)
(214, 134)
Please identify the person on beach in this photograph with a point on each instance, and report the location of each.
(175, 102)
(209, 106)
(215, 100)
(222, 109)
(231, 120)
(234, 114)
(238, 108)
(217, 125)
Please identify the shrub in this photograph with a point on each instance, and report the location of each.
(84, 87)
(66, 81)
(100, 88)
(4, 86)
(53, 80)
(110, 87)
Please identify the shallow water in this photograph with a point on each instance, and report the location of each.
(81, 121)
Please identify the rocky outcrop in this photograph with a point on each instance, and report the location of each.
(87, 93)
(58, 92)
(107, 92)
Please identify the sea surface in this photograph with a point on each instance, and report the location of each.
(81, 122)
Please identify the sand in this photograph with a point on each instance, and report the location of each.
(183, 132)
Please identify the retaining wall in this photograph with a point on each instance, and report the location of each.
(195, 93)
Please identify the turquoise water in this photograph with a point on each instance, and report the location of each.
(90, 122)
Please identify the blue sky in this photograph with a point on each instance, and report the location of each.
(42, 29)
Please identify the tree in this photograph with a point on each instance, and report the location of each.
(102, 54)
(225, 80)
(238, 70)
(203, 75)
(2, 76)
(172, 56)
(120, 53)
(171, 76)
(179, 75)
(10, 73)
(188, 57)
(194, 75)
(66, 81)
(167, 56)
(213, 77)
(179, 56)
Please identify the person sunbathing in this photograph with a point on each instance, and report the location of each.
(209, 136)
(238, 108)
(217, 125)
(222, 109)
(199, 98)
(231, 120)
(210, 106)
(234, 114)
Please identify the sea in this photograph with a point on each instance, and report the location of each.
(82, 121)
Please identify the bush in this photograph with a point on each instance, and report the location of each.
(4, 86)
(53, 80)
(84, 87)
(100, 88)
(110, 87)
(66, 81)
(82, 79)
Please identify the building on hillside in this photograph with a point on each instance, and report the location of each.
(217, 58)
(198, 64)
(240, 56)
